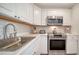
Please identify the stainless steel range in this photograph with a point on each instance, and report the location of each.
(56, 42)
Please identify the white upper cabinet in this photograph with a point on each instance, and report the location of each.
(29, 12)
(25, 11)
(8, 6)
(37, 15)
(44, 17)
(8, 9)
(66, 17)
(21, 11)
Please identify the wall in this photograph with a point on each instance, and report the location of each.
(66, 13)
(21, 28)
(75, 19)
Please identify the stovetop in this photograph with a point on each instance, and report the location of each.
(57, 37)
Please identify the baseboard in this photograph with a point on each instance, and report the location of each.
(44, 54)
(72, 54)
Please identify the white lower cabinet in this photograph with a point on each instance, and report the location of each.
(40, 45)
(33, 48)
(71, 44)
(37, 47)
(43, 44)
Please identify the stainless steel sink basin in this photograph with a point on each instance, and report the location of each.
(24, 40)
(6, 42)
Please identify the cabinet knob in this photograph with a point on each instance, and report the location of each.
(15, 16)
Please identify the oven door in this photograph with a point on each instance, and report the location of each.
(57, 44)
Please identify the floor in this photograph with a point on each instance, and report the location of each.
(57, 52)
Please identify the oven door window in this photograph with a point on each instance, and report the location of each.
(57, 44)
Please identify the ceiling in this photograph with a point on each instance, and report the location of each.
(55, 5)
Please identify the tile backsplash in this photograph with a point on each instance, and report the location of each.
(22, 29)
(49, 29)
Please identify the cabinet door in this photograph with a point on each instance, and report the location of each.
(44, 44)
(5, 9)
(71, 44)
(37, 15)
(67, 17)
(7, 6)
(44, 17)
(20, 10)
(36, 49)
(25, 12)
(29, 12)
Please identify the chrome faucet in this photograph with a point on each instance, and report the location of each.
(11, 34)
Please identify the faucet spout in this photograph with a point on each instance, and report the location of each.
(11, 35)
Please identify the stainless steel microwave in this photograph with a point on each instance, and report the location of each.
(54, 20)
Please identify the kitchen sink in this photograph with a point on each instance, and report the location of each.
(22, 42)
(6, 42)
